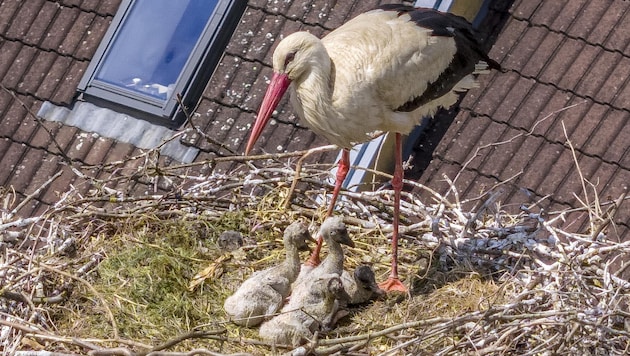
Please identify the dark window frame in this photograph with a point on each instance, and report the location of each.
(194, 77)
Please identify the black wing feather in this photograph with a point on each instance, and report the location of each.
(469, 49)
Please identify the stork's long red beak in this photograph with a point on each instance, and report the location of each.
(276, 89)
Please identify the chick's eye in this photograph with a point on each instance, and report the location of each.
(289, 58)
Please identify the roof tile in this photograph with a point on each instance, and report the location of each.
(40, 66)
(617, 185)
(507, 40)
(607, 24)
(16, 120)
(40, 25)
(557, 67)
(477, 186)
(436, 180)
(47, 167)
(601, 68)
(64, 135)
(510, 104)
(603, 178)
(338, 14)
(490, 100)
(119, 151)
(66, 17)
(570, 12)
(519, 154)
(526, 157)
(548, 11)
(615, 83)
(82, 145)
(542, 53)
(19, 67)
(61, 185)
(526, 47)
(11, 160)
(460, 147)
(623, 98)
(99, 151)
(26, 168)
(44, 134)
(77, 31)
(546, 169)
(579, 66)
(525, 8)
(95, 34)
(255, 26)
(610, 140)
(299, 10)
(531, 109)
(223, 119)
(319, 12)
(361, 6)
(108, 7)
(588, 19)
(23, 18)
(8, 12)
(496, 159)
(618, 37)
(565, 179)
(9, 51)
(69, 80)
(90, 5)
(75, 3)
(575, 121)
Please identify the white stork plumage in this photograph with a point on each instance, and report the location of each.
(380, 72)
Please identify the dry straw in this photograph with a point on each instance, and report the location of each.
(109, 273)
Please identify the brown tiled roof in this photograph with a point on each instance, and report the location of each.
(565, 80)
(565, 62)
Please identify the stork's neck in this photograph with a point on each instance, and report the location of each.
(333, 263)
(292, 262)
(311, 95)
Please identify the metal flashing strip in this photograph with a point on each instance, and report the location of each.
(121, 127)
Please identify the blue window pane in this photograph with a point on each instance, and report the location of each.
(153, 45)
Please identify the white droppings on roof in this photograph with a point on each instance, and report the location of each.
(279, 148)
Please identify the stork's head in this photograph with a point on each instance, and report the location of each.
(292, 61)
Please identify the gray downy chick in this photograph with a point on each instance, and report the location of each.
(264, 292)
(307, 313)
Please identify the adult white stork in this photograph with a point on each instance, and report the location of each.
(380, 72)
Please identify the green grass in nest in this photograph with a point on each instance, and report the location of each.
(144, 280)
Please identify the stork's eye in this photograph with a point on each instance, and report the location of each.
(289, 58)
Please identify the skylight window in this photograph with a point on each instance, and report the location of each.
(156, 49)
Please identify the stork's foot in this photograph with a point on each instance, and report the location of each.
(313, 261)
(393, 284)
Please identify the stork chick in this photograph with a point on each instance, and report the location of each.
(307, 313)
(335, 233)
(264, 292)
(382, 71)
(361, 286)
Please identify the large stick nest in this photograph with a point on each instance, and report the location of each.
(112, 273)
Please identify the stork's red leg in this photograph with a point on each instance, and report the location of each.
(393, 283)
(342, 171)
